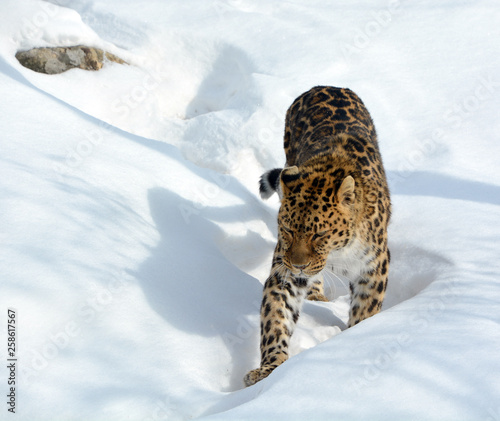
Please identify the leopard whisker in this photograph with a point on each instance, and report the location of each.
(333, 277)
(328, 285)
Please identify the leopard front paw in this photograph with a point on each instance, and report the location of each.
(257, 375)
(316, 296)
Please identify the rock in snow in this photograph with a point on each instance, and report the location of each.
(54, 60)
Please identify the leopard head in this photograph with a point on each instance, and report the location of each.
(315, 217)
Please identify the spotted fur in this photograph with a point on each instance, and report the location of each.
(335, 208)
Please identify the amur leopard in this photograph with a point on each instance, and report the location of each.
(335, 208)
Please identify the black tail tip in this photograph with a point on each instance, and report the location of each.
(269, 183)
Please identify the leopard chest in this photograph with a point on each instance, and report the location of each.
(350, 262)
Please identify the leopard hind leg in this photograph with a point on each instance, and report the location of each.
(367, 293)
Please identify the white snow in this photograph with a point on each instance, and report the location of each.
(135, 246)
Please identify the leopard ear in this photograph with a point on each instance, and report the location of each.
(345, 195)
(288, 175)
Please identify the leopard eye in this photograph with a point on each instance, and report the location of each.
(287, 230)
(319, 235)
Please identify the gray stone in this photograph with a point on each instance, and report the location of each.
(53, 60)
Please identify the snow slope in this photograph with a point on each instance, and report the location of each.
(134, 244)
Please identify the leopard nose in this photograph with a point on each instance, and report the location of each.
(301, 267)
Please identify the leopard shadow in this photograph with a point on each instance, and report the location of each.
(412, 270)
(209, 297)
